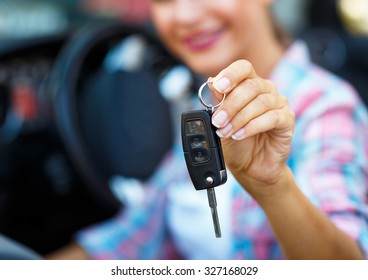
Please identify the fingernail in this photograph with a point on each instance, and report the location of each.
(222, 85)
(225, 131)
(239, 135)
(219, 120)
(219, 134)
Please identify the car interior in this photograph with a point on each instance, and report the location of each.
(66, 128)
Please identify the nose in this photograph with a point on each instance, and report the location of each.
(187, 11)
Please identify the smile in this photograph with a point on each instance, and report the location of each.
(202, 41)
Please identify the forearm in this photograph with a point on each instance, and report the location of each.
(301, 229)
(70, 252)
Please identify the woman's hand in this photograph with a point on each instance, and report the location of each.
(255, 123)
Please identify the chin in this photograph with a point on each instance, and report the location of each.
(209, 69)
(209, 62)
(202, 66)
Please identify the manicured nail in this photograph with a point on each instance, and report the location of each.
(225, 131)
(222, 85)
(219, 119)
(219, 134)
(239, 135)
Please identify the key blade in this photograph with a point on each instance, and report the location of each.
(213, 204)
(216, 223)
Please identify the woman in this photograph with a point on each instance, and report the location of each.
(294, 138)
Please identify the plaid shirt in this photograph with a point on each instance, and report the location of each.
(329, 159)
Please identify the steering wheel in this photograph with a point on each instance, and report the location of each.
(111, 122)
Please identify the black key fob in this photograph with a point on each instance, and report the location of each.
(202, 150)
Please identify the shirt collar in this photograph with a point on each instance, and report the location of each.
(287, 71)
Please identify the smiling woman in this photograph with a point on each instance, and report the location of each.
(199, 32)
(294, 137)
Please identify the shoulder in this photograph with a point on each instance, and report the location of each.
(320, 90)
(309, 87)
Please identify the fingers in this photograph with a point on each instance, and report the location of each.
(252, 104)
(246, 92)
(259, 106)
(277, 119)
(231, 76)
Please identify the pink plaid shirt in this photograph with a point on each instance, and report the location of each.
(328, 157)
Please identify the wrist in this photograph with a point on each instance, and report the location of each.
(263, 191)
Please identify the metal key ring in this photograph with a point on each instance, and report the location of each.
(208, 106)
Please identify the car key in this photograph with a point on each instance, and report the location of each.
(203, 154)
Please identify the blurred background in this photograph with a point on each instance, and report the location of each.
(44, 193)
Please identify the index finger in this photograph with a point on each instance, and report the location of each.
(232, 75)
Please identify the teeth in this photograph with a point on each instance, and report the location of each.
(201, 39)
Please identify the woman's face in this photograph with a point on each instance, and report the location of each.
(208, 35)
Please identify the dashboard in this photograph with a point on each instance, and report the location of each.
(23, 77)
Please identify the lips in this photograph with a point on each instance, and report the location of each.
(202, 41)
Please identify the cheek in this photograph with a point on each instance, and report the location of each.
(161, 19)
(245, 29)
(244, 18)
(163, 24)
